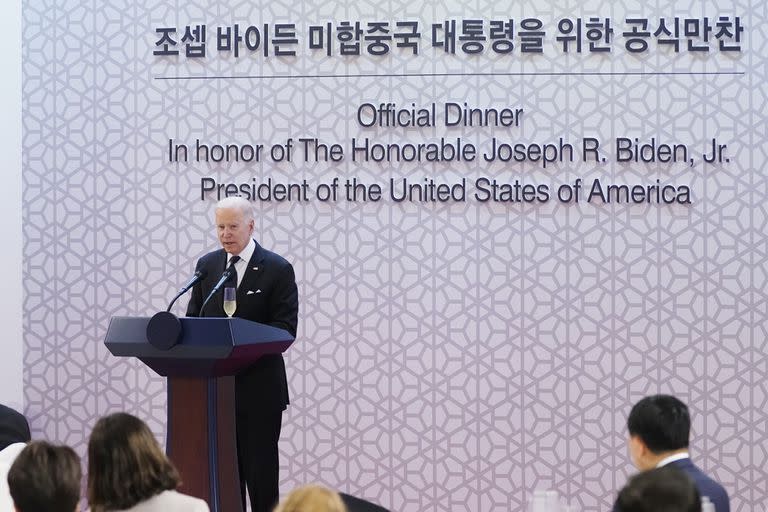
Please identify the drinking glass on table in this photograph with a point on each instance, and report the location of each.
(230, 302)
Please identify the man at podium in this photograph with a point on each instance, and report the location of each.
(266, 292)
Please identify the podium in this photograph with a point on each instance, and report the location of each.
(200, 357)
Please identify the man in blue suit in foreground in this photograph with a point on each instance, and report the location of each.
(659, 427)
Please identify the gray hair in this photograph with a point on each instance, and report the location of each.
(236, 203)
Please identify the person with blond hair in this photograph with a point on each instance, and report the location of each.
(127, 470)
(312, 498)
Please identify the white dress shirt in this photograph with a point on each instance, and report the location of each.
(672, 458)
(242, 265)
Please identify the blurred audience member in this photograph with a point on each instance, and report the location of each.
(665, 489)
(659, 427)
(311, 498)
(45, 478)
(14, 436)
(127, 470)
(13, 428)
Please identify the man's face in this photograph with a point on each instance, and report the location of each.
(233, 230)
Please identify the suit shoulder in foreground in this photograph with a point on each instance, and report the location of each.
(705, 485)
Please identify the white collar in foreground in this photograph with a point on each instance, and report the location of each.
(672, 458)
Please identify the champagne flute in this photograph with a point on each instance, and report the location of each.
(230, 303)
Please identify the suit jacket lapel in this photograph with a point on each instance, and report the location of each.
(253, 273)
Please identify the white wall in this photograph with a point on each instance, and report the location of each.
(11, 362)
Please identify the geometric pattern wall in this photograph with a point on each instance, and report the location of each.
(450, 357)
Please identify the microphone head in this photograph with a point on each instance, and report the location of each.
(201, 274)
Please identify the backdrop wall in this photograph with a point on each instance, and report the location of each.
(11, 364)
(452, 355)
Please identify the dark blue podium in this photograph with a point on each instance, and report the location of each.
(200, 357)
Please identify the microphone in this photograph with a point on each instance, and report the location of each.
(226, 275)
(199, 276)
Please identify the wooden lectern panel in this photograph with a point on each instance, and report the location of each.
(202, 439)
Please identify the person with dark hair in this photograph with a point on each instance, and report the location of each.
(127, 470)
(659, 428)
(45, 478)
(14, 436)
(665, 489)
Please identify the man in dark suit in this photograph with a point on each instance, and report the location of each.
(14, 427)
(266, 293)
(659, 427)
